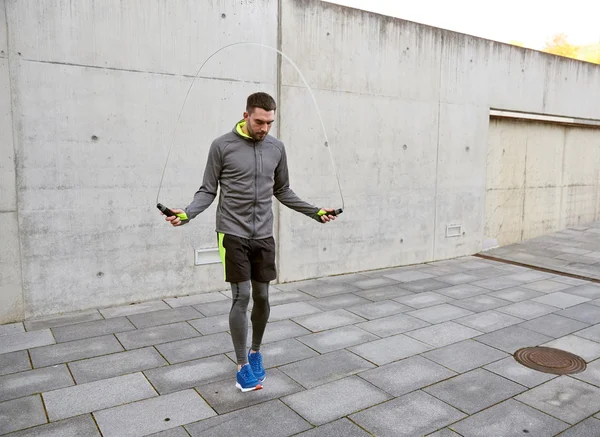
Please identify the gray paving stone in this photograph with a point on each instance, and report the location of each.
(270, 419)
(91, 329)
(527, 310)
(512, 338)
(565, 398)
(586, 349)
(560, 299)
(392, 325)
(481, 303)
(211, 325)
(339, 428)
(376, 310)
(488, 321)
(415, 373)
(121, 363)
(490, 272)
(12, 328)
(334, 400)
(128, 310)
(351, 278)
(81, 426)
(590, 333)
(194, 348)
(446, 432)
(475, 264)
(282, 330)
(409, 276)
(591, 291)
(324, 288)
(498, 283)
(74, 350)
(516, 294)
(509, 419)
(530, 276)
(25, 340)
(195, 299)
(191, 374)
(164, 317)
(475, 390)
(591, 374)
(424, 285)
(423, 300)
(328, 320)
(288, 297)
(412, 415)
(511, 369)
(97, 395)
(23, 384)
(546, 286)
(440, 313)
(291, 310)
(383, 293)
(390, 349)
(462, 291)
(585, 312)
(465, 355)
(443, 334)
(338, 338)
(61, 319)
(554, 326)
(458, 278)
(21, 413)
(570, 281)
(157, 335)
(215, 308)
(224, 397)
(174, 432)
(346, 300)
(14, 362)
(149, 416)
(365, 284)
(587, 428)
(326, 368)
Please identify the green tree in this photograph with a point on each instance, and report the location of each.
(559, 45)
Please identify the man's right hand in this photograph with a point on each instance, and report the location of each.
(175, 221)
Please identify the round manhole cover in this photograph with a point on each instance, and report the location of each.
(550, 360)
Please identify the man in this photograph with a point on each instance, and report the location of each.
(251, 167)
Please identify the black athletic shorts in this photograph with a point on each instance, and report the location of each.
(244, 259)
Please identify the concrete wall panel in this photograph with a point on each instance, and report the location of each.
(147, 35)
(11, 294)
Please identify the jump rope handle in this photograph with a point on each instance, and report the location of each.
(335, 212)
(166, 211)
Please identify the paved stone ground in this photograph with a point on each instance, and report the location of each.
(413, 351)
(575, 250)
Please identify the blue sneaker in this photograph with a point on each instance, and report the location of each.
(255, 360)
(245, 379)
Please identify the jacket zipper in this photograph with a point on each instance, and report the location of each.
(255, 192)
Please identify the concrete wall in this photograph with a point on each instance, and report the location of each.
(95, 90)
(408, 109)
(541, 178)
(11, 294)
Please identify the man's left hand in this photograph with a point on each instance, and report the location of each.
(327, 217)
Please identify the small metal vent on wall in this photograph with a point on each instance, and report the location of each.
(207, 256)
(453, 230)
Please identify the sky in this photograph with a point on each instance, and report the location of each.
(532, 22)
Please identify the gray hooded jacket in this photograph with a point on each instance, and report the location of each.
(250, 173)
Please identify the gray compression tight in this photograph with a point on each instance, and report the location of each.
(238, 316)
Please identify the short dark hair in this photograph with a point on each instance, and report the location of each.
(260, 100)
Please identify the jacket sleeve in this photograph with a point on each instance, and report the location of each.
(283, 192)
(208, 191)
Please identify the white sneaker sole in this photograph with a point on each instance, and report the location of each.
(244, 390)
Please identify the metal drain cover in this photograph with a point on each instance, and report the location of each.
(550, 360)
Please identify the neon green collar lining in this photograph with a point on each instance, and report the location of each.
(239, 130)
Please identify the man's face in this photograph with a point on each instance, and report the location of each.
(259, 122)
